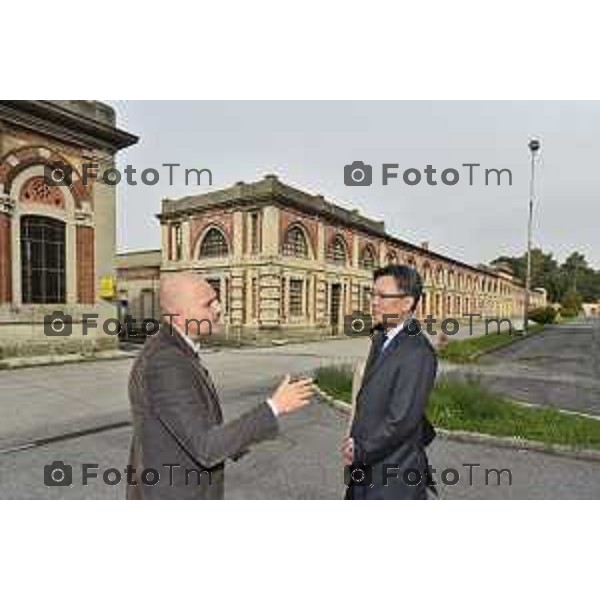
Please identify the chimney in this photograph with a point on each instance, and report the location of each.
(425, 245)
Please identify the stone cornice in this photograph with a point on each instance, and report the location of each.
(70, 127)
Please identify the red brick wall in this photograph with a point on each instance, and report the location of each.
(5, 260)
(86, 271)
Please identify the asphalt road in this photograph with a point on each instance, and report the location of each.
(303, 464)
(559, 366)
(45, 403)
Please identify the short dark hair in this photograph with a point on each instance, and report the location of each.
(407, 279)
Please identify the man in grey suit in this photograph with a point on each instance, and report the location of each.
(385, 451)
(180, 443)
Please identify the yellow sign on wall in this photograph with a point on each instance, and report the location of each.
(107, 287)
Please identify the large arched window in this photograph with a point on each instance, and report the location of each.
(439, 276)
(213, 244)
(367, 258)
(336, 252)
(451, 278)
(391, 258)
(43, 276)
(426, 272)
(294, 243)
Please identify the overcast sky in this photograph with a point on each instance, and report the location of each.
(307, 145)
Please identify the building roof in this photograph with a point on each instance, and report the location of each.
(79, 122)
(270, 188)
(138, 258)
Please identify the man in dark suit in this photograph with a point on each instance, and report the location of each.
(386, 447)
(180, 443)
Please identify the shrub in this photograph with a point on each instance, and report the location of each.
(543, 315)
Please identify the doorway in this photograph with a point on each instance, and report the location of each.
(336, 296)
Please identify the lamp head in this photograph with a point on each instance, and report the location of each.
(534, 145)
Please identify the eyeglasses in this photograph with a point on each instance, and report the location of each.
(383, 296)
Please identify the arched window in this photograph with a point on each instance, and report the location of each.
(367, 258)
(439, 276)
(42, 260)
(213, 244)
(294, 243)
(426, 272)
(336, 252)
(391, 258)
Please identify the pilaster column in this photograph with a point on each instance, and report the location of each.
(6, 210)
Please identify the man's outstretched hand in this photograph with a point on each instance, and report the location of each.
(291, 396)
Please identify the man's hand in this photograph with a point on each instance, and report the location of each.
(291, 396)
(348, 451)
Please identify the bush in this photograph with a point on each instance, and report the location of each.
(543, 315)
(570, 304)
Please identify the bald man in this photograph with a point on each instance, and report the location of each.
(180, 443)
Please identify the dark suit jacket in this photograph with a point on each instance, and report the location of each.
(177, 420)
(389, 426)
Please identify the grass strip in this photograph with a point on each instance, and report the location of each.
(464, 404)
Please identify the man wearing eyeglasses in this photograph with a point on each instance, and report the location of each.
(389, 431)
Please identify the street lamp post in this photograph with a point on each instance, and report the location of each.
(534, 147)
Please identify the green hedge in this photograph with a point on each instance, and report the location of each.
(543, 316)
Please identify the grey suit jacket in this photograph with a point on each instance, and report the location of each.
(177, 421)
(389, 418)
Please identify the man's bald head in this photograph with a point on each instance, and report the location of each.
(187, 295)
(180, 288)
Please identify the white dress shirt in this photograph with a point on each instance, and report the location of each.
(391, 334)
(195, 346)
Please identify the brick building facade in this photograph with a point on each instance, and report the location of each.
(288, 264)
(57, 243)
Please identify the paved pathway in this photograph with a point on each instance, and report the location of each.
(302, 463)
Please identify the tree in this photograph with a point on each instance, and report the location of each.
(574, 275)
(571, 304)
